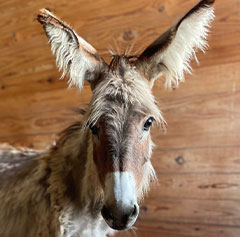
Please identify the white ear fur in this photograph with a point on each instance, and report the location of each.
(171, 53)
(191, 36)
(74, 56)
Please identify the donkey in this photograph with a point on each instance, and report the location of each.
(90, 182)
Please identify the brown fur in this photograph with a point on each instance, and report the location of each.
(131, 153)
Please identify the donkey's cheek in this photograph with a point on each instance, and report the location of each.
(98, 158)
(140, 157)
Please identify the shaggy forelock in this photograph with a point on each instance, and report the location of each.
(115, 95)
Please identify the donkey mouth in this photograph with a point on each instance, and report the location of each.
(116, 226)
(123, 222)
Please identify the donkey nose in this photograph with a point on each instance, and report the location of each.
(120, 219)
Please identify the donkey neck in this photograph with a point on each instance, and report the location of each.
(73, 168)
(76, 193)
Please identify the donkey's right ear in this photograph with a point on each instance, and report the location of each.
(74, 56)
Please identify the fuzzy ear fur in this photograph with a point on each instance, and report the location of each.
(171, 53)
(74, 56)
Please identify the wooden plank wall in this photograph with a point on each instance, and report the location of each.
(197, 161)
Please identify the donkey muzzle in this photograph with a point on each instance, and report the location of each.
(120, 220)
(120, 208)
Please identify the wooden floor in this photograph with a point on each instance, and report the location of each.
(197, 160)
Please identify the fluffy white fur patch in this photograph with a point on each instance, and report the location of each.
(191, 36)
(81, 224)
(70, 58)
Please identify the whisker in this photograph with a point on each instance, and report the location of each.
(116, 45)
(138, 50)
(127, 50)
(134, 230)
(130, 48)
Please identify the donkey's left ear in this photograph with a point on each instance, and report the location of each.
(170, 54)
(74, 56)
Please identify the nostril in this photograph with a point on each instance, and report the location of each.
(131, 215)
(134, 211)
(106, 213)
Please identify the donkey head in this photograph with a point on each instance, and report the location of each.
(122, 108)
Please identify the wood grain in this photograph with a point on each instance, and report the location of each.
(214, 212)
(40, 141)
(198, 186)
(213, 160)
(175, 229)
(197, 161)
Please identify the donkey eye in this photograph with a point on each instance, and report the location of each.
(94, 129)
(148, 124)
